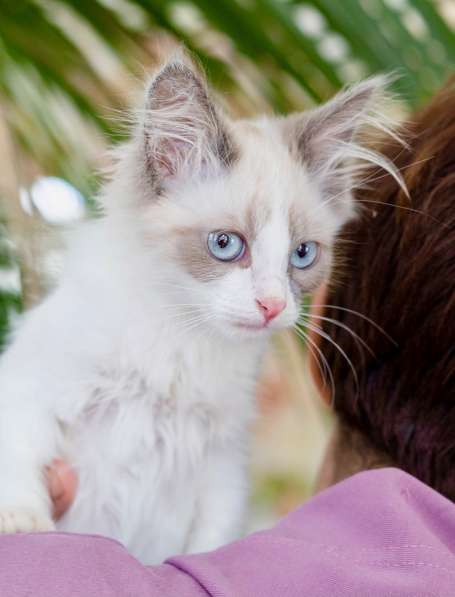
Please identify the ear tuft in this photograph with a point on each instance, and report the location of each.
(185, 135)
(333, 140)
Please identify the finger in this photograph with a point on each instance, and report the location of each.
(62, 483)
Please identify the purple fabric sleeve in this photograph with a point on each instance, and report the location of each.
(378, 534)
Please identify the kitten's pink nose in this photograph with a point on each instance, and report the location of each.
(271, 307)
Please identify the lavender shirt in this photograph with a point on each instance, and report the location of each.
(378, 534)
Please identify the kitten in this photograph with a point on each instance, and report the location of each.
(140, 368)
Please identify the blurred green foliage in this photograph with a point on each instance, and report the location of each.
(10, 300)
(42, 53)
(55, 93)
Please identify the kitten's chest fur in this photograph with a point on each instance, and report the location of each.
(178, 403)
(144, 438)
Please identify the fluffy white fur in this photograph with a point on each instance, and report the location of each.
(135, 369)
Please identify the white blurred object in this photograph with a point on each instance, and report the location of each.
(398, 5)
(333, 47)
(415, 24)
(310, 20)
(56, 200)
(10, 280)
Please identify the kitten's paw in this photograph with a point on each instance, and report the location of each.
(24, 520)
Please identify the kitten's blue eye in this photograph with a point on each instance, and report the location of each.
(226, 246)
(304, 255)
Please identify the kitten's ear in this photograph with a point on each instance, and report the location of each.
(185, 135)
(330, 140)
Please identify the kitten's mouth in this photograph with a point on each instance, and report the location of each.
(250, 326)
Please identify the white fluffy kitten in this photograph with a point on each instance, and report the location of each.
(140, 368)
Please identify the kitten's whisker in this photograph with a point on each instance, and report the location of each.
(170, 283)
(362, 316)
(300, 332)
(356, 337)
(417, 211)
(195, 306)
(185, 318)
(314, 354)
(179, 311)
(369, 179)
(373, 178)
(188, 319)
(318, 330)
(200, 328)
(196, 321)
(186, 329)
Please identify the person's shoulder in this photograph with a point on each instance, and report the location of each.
(387, 485)
(387, 476)
(390, 480)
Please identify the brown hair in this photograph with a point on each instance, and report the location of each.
(401, 275)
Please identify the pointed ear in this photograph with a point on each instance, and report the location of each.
(184, 133)
(332, 140)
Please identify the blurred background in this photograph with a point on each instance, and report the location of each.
(69, 69)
